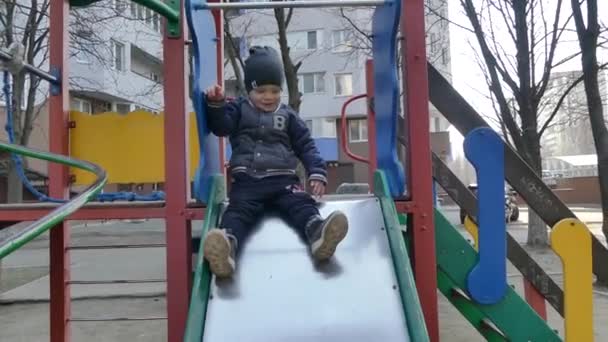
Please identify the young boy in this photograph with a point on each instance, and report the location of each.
(267, 139)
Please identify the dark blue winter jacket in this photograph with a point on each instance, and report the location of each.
(266, 144)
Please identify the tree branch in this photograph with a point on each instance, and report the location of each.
(549, 61)
(492, 68)
(289, 15)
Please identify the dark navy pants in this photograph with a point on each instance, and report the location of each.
(250, 197)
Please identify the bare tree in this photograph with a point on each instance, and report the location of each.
(518, 42)
(26, 22)
(233, 54)
(588, 35)
(290, 67)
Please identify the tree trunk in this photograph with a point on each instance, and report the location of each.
(588, 38)
(601, 146)
(598, 125)
(291, 72)
(537, 229)
(14, 191)
(291, 69)
(235, 58)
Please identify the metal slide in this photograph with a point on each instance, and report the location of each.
(366, 293)
(15, 237)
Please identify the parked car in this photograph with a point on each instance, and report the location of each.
(511, 208)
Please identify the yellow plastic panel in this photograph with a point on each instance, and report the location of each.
(571, 241)
(129, 147)
(471, 227)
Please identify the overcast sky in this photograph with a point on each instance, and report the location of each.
(467, 76)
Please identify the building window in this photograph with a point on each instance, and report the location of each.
(156, 22)
(118, 55)
(437, 124)
(344, 84)
(309, 126)
(310, 83)
(123, 108)
(81, 105)
(312, 40)
(120, 6)
(101, 106)
(444, 56)
(303, 40)
(434, 43)
(154, 76)
(148, 16)
(357, 130)
(341, 41)
(140, 12)
(330, 129)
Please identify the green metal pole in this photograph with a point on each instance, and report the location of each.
(59, 214)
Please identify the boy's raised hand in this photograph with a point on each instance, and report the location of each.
(317, 188)
(215, 93)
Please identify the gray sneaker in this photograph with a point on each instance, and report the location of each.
(219, 249)
(325, 235)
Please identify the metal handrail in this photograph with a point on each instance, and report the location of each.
(203, 5)
(343, 134)
(59, 214)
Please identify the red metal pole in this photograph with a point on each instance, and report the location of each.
(219, 29)
(344, 134)
(371, 123)
(178, 229)
(535, 299)
(416, 106)
(58, 174)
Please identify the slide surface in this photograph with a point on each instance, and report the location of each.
(279, 294)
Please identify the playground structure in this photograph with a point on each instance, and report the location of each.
(474, 282)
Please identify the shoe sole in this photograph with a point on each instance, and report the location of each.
(332, 234)
(217, 252)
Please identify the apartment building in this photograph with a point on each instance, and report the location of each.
(332, 50)
(567, 144)
(115, 65)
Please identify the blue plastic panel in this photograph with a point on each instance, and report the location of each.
(487, 281)
(385, 25)
(204, 44)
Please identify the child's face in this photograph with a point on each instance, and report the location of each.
(266, 97)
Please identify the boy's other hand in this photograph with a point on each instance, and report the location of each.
(317, 188)
(215, 93)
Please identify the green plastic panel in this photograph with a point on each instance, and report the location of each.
(403, 269)
(512, 315)
(202, 276)
(468, 309)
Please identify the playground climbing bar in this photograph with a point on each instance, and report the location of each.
(5, 56)
(289, 4)
(46, 222)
